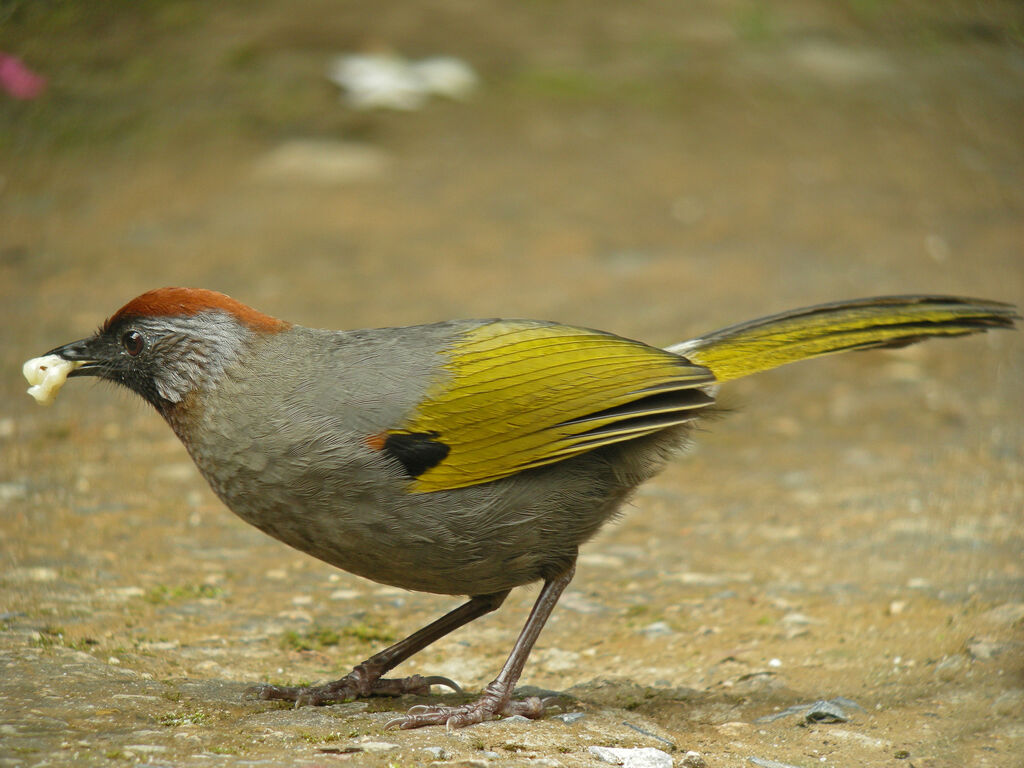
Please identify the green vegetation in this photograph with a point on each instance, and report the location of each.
(162, 594)
(196, 717)
(317, 638)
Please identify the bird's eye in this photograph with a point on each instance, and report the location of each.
(133, 342)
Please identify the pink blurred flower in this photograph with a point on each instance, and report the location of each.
(18, 80)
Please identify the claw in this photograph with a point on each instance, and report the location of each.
(438, 680)
(488, 707)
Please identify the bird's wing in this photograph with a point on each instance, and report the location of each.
(519, 394)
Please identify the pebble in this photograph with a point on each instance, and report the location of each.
(764, 762)
(12, 491)
(558, 660)
(575, 601)
(570, 717)
(145, 748)
(693, 578)
(657, 629)
(896, 607)
(694, 759)
(36, 574)
(641, 757)
(1010, 703)
(950, 667)
(985, 649)
(377, 746)
(821, 711)
(795, 619)
(733, 727)
(345, 594)
(858, 738)
(1008, 613)
(438, 753)
(515, 719)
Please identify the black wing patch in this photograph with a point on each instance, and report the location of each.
(416, 451)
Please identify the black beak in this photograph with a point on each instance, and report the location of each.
(82, 351)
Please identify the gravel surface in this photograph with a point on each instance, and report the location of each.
(849, 534)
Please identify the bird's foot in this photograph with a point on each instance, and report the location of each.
(358, 683)
(496, 702)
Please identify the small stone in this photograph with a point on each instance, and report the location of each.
(377, 746)
(558, 660)
(575, 601)
(1008, 613)
(985, 649)
(570, 717)
(657, 629)
(438, 753)
(861, 739)
(38, 574)
(733, 727)
(126, 592)
(149, 749)
(896, 607)
(950, 667)
(764, 762)
(12, 491)
(344, 594)
(693, 760)
(642, 757)
(825, 712)
(1009, 703)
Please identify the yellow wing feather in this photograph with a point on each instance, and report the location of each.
(519, 394)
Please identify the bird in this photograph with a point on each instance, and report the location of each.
(465, 457)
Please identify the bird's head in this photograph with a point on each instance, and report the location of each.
(168, 343)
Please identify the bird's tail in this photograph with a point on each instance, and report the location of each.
(884, 321)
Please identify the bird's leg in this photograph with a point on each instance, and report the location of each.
(496, 700)
(366, 678)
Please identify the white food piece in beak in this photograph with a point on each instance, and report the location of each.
(47, 375)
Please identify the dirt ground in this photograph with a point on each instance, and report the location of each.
(852, 529)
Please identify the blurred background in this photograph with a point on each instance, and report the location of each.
(655, 169)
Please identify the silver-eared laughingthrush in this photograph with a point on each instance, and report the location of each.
(462, 458)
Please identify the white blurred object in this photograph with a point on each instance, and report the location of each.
(387, 81)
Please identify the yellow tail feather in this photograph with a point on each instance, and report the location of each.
(885, 321)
